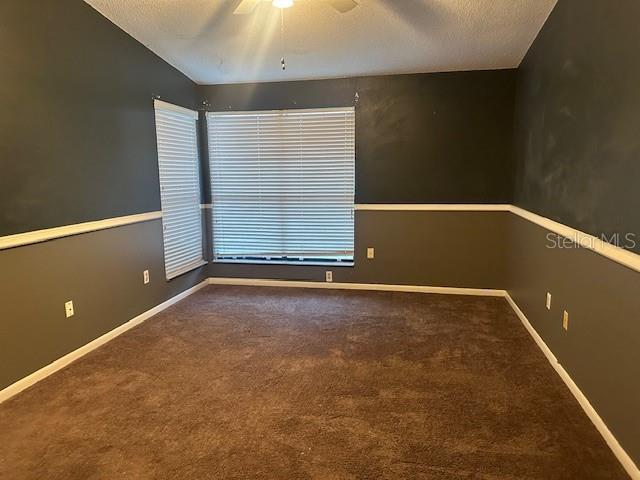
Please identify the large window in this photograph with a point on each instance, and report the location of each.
(282, 185)
(179, 188)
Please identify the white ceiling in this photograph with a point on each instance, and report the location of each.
(203, 38)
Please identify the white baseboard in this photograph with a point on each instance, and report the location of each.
(62, 362)
(484, 292)
(622, 456)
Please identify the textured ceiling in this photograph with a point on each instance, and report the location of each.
(209, 44)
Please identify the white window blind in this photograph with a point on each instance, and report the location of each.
(282, 184)
(179, 188)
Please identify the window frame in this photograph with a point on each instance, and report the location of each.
(334, 261)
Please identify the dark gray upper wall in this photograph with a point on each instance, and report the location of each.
(423, 138)
(77, 123)
(578, 114)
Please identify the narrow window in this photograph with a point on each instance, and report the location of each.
(179, 188)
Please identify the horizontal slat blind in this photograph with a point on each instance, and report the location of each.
(179, 188)
(282, 184)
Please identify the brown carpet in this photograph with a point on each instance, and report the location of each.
(266, 383)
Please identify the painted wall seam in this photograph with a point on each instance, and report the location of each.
(37, 236)
(624, 257)
(619, 255)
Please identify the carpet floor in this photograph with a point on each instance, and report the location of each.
(271, 383)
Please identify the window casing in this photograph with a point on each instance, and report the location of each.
(282, 185)
(178, 165)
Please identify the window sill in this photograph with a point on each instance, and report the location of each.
(187, 269)
(283, 262)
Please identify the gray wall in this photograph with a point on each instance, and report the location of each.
(100, 271)
(578, 162)
(600, 349)
(578, 112)
(77, 125)
(446, 249)
(77, 144)
(425, 138)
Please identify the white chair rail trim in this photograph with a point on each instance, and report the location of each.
(21, 239)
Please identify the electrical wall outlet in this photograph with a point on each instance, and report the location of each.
(328, 276)
(565, 320)
(548, 301)
(145, 276)
(68, 308)
(371, 253)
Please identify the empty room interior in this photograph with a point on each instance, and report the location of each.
(320, 239)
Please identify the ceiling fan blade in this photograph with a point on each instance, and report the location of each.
(246, 7)
(342, 6)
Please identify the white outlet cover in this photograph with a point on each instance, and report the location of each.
(565, 320)
(371, 252)
(329, 276)
(548, 301)
(68, 308)
(145, 276)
